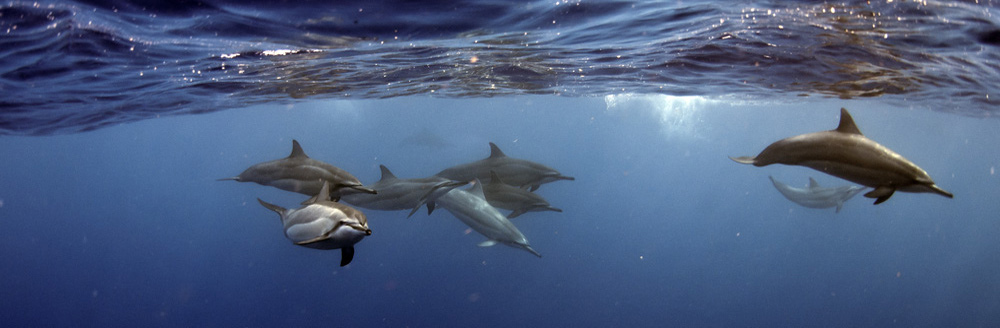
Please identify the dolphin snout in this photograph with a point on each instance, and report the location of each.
(368, 232)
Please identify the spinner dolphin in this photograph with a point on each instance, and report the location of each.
(847, 154)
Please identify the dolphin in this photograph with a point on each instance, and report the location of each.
(520, 201)
(815, 196)
(324, 224)
(302, 174)
(402, 194)
(471, 208)
(847, 154)
(515, 172)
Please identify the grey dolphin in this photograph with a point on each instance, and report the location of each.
(302, 174)
(324, 224)
(847, 154)
(515, 172)
(815, 196)
(402, 194)
(471, 208)
(518, 200)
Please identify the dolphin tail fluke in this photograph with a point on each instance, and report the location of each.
(236, 178)
(346, 255)
(742, 159)
(272, 207)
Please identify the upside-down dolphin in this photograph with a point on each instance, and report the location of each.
(520, 201)
(846, 153)
(402, 194)
(302, 174)
(815, 196)
(514, 171)
(471, 208)
(324, 224)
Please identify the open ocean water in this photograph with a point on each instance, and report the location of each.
(111, 215)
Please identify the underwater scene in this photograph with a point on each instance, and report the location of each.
(499, 163)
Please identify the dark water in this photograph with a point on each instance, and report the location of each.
(111, 215)
(76, 66)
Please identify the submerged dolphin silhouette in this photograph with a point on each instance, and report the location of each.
(402, 194)
(520, 201)
(302, 174)
(847, 154)
(471, 208)
(323, 224)
(815, 196)
(514, 171)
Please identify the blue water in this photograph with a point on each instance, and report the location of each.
(111, 215)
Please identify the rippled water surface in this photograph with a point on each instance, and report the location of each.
(73, 66)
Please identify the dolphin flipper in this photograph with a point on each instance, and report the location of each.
(346, 255)
(881, 194)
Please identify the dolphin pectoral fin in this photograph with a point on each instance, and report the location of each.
(881, 194)
(839, 206)
(346, 255)
(515, 213)
(742, 159)
(487, 243)
(534, 187)
(430, 208)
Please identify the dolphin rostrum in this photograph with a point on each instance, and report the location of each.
(302, 174)
(324, 224)
(515, 172)
(847, 154)
(402, 194)
(520, 201)
(471, 208)
(815, 196)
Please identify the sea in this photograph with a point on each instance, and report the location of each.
(118, 117)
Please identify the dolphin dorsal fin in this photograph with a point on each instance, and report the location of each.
(494, 178)
(495, 151)
(847, 123)
(477, 189)
(297, 150)
(386, 174)
(323, 196)
(812, 183)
